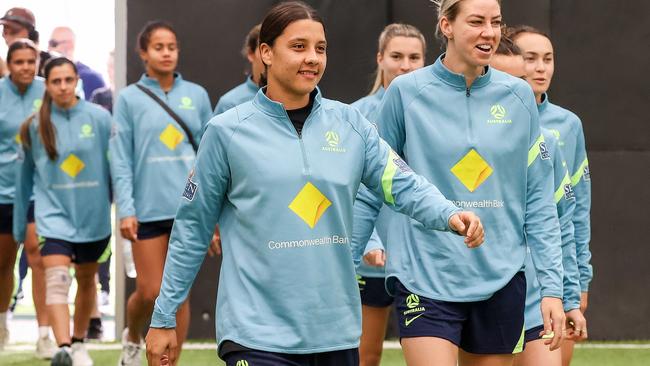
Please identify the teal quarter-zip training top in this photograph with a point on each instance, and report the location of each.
(483, 148)
(72, 192)
(564, 199)
(284, 202)
(15, 107)
(567, 127)
(240, 94)
(150, 152)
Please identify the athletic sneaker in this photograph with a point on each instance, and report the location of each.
(62, 357)
(131, 352)
(80, 356)
(104, 298)
(45, 348)
(4, 338)
(95, 329)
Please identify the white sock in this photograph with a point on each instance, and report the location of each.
(3, 320)
(43, 331)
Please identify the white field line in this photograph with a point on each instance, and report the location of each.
(387, 345)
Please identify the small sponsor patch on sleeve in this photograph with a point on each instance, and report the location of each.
(586, 174)
(544, 154)
(401, 164)
(190, 189)
(568, 192)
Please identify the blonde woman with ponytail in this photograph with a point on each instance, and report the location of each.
(401, 50)
(473, 132)
(64, 162)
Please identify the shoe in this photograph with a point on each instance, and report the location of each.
(62, 357)
(45, 348)
(95, 330)
(80, 356)
(131, 352)
(4, 338)
(104, 298)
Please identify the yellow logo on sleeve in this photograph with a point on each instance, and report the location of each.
(171, 137)
(72, 166)
(472, 170)
(310, 204)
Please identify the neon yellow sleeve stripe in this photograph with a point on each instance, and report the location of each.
(387, 178)
(560, 190)
(534, 150)
(575, 179)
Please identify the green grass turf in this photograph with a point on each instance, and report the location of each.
(583, 357)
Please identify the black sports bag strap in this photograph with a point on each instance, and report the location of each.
(173, 114)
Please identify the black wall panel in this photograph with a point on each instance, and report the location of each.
(619, 302)
(601, 59)
(602, 54)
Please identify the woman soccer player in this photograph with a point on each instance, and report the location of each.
(150, 150)
(474, 132)
(20, 95)
(280, 175)
(66, 166)
(539, 62)
(401, 49)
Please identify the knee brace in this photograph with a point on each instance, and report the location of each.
(57, 284)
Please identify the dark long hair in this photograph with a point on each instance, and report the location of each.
(46, 129)
(144, 37)
(21, 44)
(279, 18)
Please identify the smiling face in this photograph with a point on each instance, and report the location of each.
(22, 66)
(296, 61)
(401, 55)
(538, 60)
(161, 55)
(473, 36)
(61, 83)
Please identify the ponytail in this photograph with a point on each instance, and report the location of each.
(46, 129)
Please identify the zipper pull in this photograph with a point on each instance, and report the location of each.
(467, 93)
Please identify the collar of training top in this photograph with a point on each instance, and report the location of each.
(68, 112)
(542, 106)
(276, 109)
(12, 86)
(458, 80)
(150, 82)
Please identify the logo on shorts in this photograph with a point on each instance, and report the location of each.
(242, 363)
(190, 188)
(499, 113)
(333, 139)
(186, 103)
(412, 301)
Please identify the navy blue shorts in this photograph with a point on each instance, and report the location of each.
(373, 292)
(492, 326)
(348, 357)
(7, 217)
(79, 253)
(532, 334)
(148, 230)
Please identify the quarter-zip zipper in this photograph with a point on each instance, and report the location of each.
(306, 169)
(470, 127)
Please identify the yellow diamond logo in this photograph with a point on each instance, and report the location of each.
(310, 204)
(19, 141)
(472, 170)
(72, 165)
(171, 137)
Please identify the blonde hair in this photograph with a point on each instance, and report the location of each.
(391, 31)
(448, 9)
